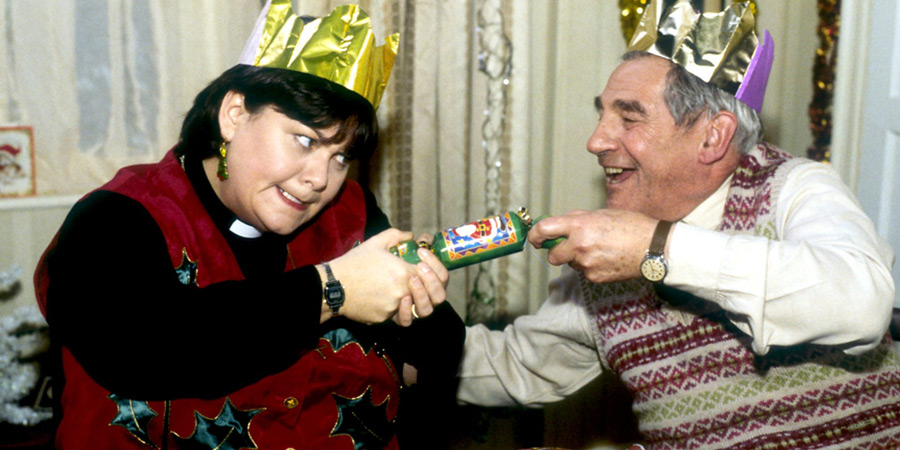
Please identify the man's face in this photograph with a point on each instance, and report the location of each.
(650, 163)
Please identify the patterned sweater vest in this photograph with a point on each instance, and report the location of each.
(697, 385)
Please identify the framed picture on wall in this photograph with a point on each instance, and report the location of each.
(16, 161)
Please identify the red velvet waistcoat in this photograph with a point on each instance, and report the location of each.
(336, 397)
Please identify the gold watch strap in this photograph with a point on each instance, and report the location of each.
(658, 243)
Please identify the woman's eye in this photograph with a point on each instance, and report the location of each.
(305, 141)
(342, 159)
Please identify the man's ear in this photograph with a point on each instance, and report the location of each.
(231, 113)
(719, 133)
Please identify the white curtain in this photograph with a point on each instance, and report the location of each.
(488, 110)
(105, 83)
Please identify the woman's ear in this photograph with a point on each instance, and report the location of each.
(231, 113)
(719, 133)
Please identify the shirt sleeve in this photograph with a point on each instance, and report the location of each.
(825, 279)
(539, 359)
(117, 305)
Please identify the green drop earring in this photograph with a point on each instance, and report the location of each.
(222, 173)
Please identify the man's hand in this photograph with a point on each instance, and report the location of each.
(606, 245)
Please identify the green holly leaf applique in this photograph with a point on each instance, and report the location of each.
(230, 430)
(134, 416)
(187, 271)
(365, 422)
(340, 337)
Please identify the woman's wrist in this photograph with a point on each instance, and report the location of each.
(326, 310)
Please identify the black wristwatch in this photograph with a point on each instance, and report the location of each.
(333, 292)
(654, 267)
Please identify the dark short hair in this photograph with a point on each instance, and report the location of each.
(314, 101)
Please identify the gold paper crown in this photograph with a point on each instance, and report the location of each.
(719, 48)
(339, 47)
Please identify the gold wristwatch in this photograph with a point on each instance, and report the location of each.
(654, 267)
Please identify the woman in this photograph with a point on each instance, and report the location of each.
(185, 298)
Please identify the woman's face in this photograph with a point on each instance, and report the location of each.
(280, 174)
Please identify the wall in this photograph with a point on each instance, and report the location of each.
(26, 227)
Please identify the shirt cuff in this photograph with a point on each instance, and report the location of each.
(688, 272)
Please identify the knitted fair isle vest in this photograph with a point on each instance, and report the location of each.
(695, 381)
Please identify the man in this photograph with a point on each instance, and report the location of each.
(740, 294)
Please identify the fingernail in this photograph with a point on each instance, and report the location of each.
(424, 267)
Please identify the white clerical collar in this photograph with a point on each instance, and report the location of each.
(244, 230)
(709, 213)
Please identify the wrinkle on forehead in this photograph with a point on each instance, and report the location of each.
(640, 77)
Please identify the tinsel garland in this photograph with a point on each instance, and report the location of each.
(10, 278)
(23, 336)
(630, 15)
(495, 61)
(823, 80)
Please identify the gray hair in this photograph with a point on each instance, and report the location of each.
(687, 97)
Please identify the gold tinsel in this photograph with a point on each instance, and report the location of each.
(823, 80)
(630, 15)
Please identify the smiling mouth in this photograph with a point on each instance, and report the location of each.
(290, 197)
(616, 174)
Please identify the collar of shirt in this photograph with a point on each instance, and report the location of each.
(256, 253)
(708, 214)
(221, 215)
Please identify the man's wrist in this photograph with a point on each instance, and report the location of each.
(654, 266)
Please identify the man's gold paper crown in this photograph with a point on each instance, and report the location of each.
(719, 48)
(339, 47)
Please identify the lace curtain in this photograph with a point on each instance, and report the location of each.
(106, 83)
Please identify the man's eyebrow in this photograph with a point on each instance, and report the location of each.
(633, 106)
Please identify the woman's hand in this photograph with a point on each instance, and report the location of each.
(378, 285)
(428, 287)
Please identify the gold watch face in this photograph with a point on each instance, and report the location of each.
(653, 268)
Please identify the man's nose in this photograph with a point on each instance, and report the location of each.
(601, 139)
